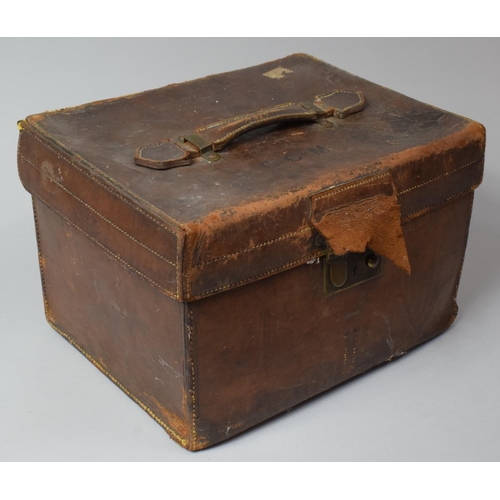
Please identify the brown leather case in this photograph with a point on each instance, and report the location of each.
(226, 248)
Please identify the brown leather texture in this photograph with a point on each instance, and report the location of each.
(372, 221)
(221, 133)
(260, 189)
(178, 152)
(127, 328)
(164, 154)
(263, 348)
(199, 290)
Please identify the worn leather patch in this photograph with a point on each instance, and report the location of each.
(364, 213)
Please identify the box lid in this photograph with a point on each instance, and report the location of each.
(255, 207)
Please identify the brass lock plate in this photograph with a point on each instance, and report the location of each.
(345, 271)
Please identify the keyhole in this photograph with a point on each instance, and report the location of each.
(354, 271)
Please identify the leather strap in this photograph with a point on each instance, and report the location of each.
(172, 153)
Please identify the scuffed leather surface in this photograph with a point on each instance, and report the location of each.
(227, 221)
(344, 102)
(268, 346)
(121, 247)
(144, 242)
(221, 133)
(133, 332)
(163, 154)
(360, 215)
(213, 137)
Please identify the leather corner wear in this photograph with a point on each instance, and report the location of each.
(226, 248)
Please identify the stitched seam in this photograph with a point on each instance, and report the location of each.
(173, 434)
(159, 143)
(188, 282)
(262, 275)
(243, 127)
(345, 92)
(37, 231)
(140, 150)
(440, 176)
(352, 105)
(97, 213)
(192, 391)
(98, 181)
(148, 410)
(280, 238)
(282, 106)
(177, 266)
(99, 244)
(344, 188)
(418, 212)
(245, 115)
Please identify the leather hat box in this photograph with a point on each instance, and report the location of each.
(226, 248)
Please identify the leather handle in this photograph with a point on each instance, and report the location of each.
(174, 153)
(219, 134)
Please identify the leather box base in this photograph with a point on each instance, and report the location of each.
(209, 369)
